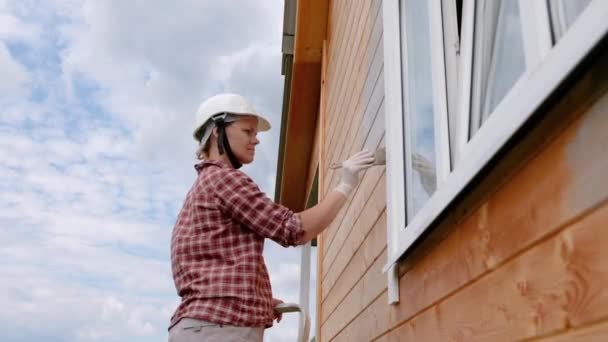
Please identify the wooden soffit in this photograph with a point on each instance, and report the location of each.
(303, 106)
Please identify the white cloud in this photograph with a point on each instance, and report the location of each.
(13, 76)
(111, 306)
(96, 164)
(97, 154)
(12, 25)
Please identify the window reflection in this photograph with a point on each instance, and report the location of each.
(418, 103)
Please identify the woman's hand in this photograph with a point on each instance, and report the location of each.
(351, 168)
(277, 315)
(427, 172)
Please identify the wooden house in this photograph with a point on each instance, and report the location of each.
(489, 221)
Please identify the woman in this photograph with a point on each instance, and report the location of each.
(218, 239)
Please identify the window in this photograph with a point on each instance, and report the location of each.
(419, 112)
(461, 78)
(504, 42)
(498, 57)
(564, 13)
(418, 132)
(451, 12)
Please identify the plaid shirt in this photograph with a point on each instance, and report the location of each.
(217, 245)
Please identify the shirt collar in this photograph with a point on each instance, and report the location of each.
(206, 162)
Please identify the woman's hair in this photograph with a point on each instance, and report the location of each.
(202, 152)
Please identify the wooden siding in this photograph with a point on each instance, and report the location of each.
(527, 262)
(352, 119)
(321, 166)
(366, 108)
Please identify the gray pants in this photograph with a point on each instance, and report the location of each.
(193, 330)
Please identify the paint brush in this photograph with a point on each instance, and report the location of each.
(287, 307)
(379, 159)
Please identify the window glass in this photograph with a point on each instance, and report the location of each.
(418, 104)
(498, 56)
(564, 13)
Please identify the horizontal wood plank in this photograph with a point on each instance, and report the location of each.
(359, 126)
(595, 332)
(344, 53)
(365, 291)
(349, 49)
(356, 107)
(371, 131)
(356, 101)
(372, 187)
(368, 64)
(370, 249)
(356, 67)
(558, 284)
(371, 141)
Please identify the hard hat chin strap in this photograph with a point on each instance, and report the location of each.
(222, 140)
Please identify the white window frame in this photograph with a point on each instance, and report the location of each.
(560, 25)
(536, 31)
(440, 119)
(546, 68)
(304, 299)
(451, 47)
(396, 138)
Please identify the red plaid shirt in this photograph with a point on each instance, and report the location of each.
(217, 245)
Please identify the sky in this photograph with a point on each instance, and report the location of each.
(97, 103)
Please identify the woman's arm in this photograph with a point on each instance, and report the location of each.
(317, 218)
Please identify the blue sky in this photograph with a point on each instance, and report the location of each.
(97, 106)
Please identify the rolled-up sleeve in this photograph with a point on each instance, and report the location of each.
(242, 199)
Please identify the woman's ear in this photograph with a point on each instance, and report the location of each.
(214, 132)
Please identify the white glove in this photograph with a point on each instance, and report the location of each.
(350, 171)
(427, 172)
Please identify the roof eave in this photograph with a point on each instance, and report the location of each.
(302, 70)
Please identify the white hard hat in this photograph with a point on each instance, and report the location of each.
(226, 103)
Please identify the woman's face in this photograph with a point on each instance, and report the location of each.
(242, 135)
